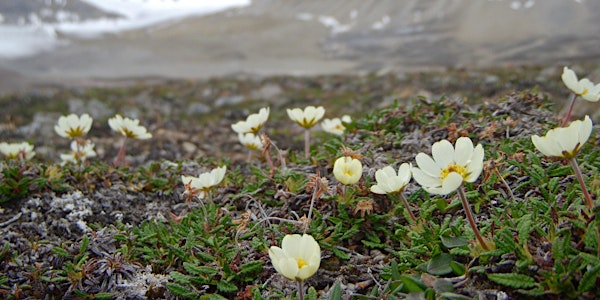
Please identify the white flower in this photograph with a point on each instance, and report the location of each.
(128, 127)
(298, 258)
(346, 119)
(564, 142)
(22, 150)
(73, 126)
(449, 167)
(583, 88)
(347, 170)
(308, 117)
(251, 141)
(253, 123)
(79, 152)
(390, 182)
(333, 126)
(202, 184)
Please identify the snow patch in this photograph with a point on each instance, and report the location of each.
(31, 35)
(381, 24)
(334, 25)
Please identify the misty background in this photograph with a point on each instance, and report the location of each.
(81, 40)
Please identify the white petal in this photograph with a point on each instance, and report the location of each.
(585, 131)
(567, 137)
(311, 249)
(404, 173)
(424, 180)
(451, 183)
(240, 127)
(593, 94)
(443, 153)
(292, 245)
(548, 148)
(378, 190)
(570, 80)
(475, 167)
(427, 165)
(289, 268)
(464, 150)
(295, 114)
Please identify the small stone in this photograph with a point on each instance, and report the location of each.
(189, 147)
(198, 108)
(229, 100)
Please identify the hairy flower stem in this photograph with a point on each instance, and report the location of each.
(280, 156)
(120, 159)
(568, 116)
(586, 194)
(205, 212)
(598, 242)
(469, 214)
(301, 290)
(405, 202)
(310, 209)
(306, 143)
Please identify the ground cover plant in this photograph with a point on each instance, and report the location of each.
(538, 234)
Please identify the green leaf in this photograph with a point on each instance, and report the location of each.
(102, 296)
(394, 270)
(205, 256)
(336, 293)
(251, 267)
(226, 286)
(213, 297)
(60, 252)
(524, 228)
(340, 254)
(589, 279)
(591, 240)
(372, 244)
(505, 241)
(513, 280)
(457, 268)
(350, 232)
(411, 285)
(441, 285)
(197, 270)
(178, 290)
(311, 294)
(448, 295)
(85, 242)
(440, 264)
(453, 242)
(179, 277)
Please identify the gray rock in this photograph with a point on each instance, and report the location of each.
(267, 91)
(93, 107)
(229, 100)
(198, 108)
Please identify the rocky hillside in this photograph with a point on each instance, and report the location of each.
(40, 11)
(313, 38)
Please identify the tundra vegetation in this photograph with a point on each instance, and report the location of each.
(430, 198)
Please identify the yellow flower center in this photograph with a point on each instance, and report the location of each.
(461, 170)
(128, 133)
(75, 132)
(307, 123)
(348, 172)
(301, 262)
(585, 91)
